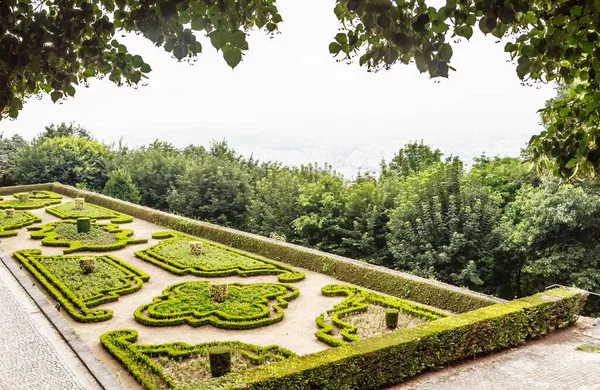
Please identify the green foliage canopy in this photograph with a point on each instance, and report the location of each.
(120, 186)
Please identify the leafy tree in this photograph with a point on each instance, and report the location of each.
(444, 228)
(321, 205)
(503, 175)
(69, 160)
(52, 46)
(64, 130)
(9, 147)
(552, 233)
(214, 189)
(412, 158)
(274, 207)
(154, 170)
(120, 186)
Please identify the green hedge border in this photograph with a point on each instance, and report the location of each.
(395, 357)
(30, 205)
(217, 318)
(78, 308)
(284, 274)
(9, 230)
(135, 357)
(39, 194)
(113, 216)
(358, 300)
(50, 237)
(9, 190)
(390, 282)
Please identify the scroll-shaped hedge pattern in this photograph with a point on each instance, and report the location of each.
(101, 237)
(174, 255)
(69, 211)
(165, 366)
(20, 219)
(31, 204)
(247, 305)
(357, 300)
(77, 292)
(40, 194)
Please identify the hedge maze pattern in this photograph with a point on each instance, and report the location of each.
(358, 300)
(31, 204)
(39, 194)
(247, 305)
(68, 211)
(148, 363)
(174, 255)
(8, 225)
(101, 237)
(77, 292)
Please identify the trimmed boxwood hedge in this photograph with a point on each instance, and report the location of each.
(398, 284)
(51, 238)
(185, 292)
(397, 356)
(92, 211)
(8, 226)
(284, 273)
(358, 300)
(9, 190)
(78, 308)
(137, 358)
(39, 194)
(29, 205)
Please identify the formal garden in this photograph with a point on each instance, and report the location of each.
(197, 306)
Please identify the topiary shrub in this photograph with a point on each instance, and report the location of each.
(79, 203)
(218, 291)
(391, 318)
(24, 198)
(220, 361)
(87, 264)
(10, 213)
(83, 225)
(195, 247)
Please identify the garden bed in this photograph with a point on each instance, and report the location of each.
(21, 218)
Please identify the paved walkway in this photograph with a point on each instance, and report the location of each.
(550, 363)
(33, 356)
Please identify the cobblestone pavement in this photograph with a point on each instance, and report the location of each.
(32, 354)
(548, 363)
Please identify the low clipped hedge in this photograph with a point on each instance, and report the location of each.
(51, 238)
(284, 273)
(147, 315)
(358, 300)
(393, 358)
(9, 190)
(67, 211)
(137, 358)
(381, 279)
(29, 205)
(78, 308)
(8, 228)
(39, 194)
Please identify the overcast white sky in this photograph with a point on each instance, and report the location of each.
(290, 90)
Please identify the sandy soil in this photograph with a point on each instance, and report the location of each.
(295, 332)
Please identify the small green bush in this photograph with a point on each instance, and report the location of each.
(24, 197)
(391, 318)
(87, 264)
(195, 248)
(218, 291)
(9, 213)
(83, 225)
(220, 361)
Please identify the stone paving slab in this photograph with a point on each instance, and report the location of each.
(32, 355)
(550, 363)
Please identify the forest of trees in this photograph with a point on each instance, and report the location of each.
(499, 227)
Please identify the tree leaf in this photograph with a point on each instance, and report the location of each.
(464, 31)
(334, 48)
(232, 56)
(55, 96)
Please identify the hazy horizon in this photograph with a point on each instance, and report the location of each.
(290, 101)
